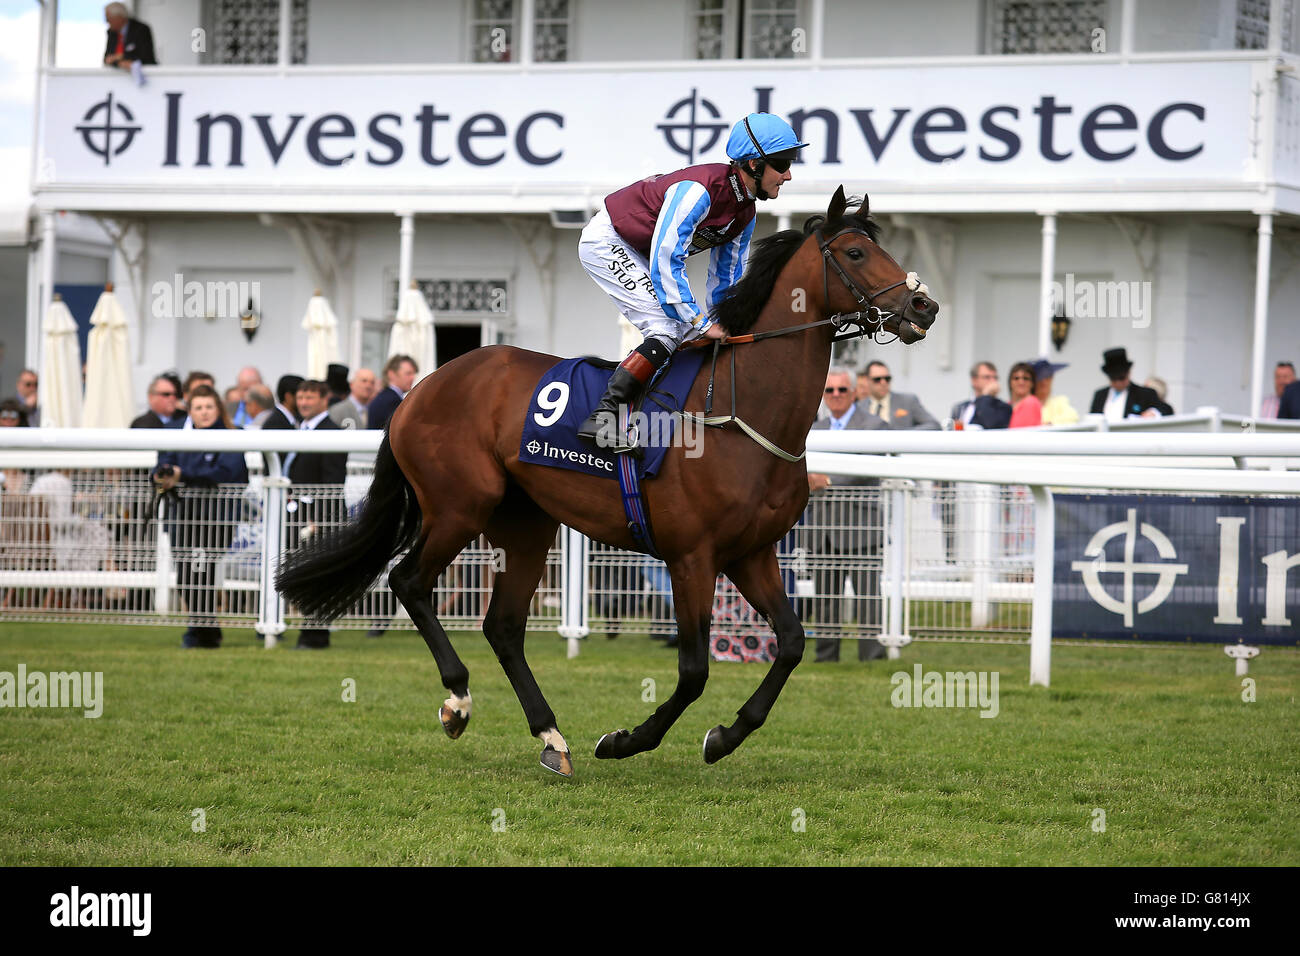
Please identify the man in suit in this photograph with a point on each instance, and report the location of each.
(843, 538)
(1288, 406)
(352, 411)
(163, 413)
(248, 377)
(258, 406)
(314, 508)
(1283, 375)
(400, 374)
(337, 379)
(1123, 399)
(285, 415)
(894, 409)
(129, 40)
(978, 409)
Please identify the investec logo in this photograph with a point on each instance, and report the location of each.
(109, 128)
(1165, 572)
(547, 450)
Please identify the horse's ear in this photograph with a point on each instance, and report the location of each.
(864, 210)
(835, 211)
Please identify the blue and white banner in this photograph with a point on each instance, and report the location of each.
(1175, 568)
(1011, 124)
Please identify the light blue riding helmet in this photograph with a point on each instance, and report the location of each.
(759, 135)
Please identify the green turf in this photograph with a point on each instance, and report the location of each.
(288, 773)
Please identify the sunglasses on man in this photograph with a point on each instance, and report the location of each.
(836, 391)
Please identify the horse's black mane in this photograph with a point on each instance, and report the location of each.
(741, 304)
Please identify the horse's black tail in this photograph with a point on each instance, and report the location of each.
(334, 568)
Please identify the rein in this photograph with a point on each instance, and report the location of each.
(869, 320)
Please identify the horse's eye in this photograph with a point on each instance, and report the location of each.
(855, 253)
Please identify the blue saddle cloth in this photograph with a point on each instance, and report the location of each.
(569, 391)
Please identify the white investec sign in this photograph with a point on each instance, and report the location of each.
(1007, 124)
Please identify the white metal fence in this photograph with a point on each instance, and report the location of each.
(918, 554)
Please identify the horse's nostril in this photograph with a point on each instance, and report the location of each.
(921, 304)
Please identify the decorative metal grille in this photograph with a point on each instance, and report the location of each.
(1033, 26)
(491, 31)
(769, 29)
(1252, 24)
(710, 18)
(248, 31)
(551, 31)
(460, 296)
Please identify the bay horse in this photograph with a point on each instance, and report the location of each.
(448, 469)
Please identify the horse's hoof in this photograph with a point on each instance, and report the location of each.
(714, 747)
(557, 761)
(606, 745)
(452, 722)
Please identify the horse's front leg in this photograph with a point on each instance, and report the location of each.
(758, 577)
(694, 578)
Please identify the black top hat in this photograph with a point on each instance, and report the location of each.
(337, 378)
(1116, 362)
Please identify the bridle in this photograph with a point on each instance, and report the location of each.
(868, 320)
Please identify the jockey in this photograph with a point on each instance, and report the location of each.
(635, 248)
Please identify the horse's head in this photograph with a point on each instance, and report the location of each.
(861, 276)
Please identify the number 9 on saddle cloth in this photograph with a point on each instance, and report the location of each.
(569, 390)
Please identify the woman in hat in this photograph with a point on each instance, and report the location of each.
(1057, 409)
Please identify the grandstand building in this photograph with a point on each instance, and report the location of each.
(1131, 165)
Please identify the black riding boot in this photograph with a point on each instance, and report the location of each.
(625, 386)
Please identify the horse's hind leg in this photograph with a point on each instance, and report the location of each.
(694, 579)
(525, 534)
(758, 577)
(412, 581)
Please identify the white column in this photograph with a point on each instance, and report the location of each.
(286, 33)
(817, 31)
(527, 26)
(32, 345)
(1047, 269)
(49, 252)
(1262, 262)
(1040, 628)
(1127, 20)
(404, 254)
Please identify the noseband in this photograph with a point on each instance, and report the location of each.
(869, 319)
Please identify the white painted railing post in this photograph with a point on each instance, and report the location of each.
(1040, 629)
(984, 527)
(162, 589)
(270, 620)
(896, 569)
(574, 625)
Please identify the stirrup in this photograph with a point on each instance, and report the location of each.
(622, 443)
